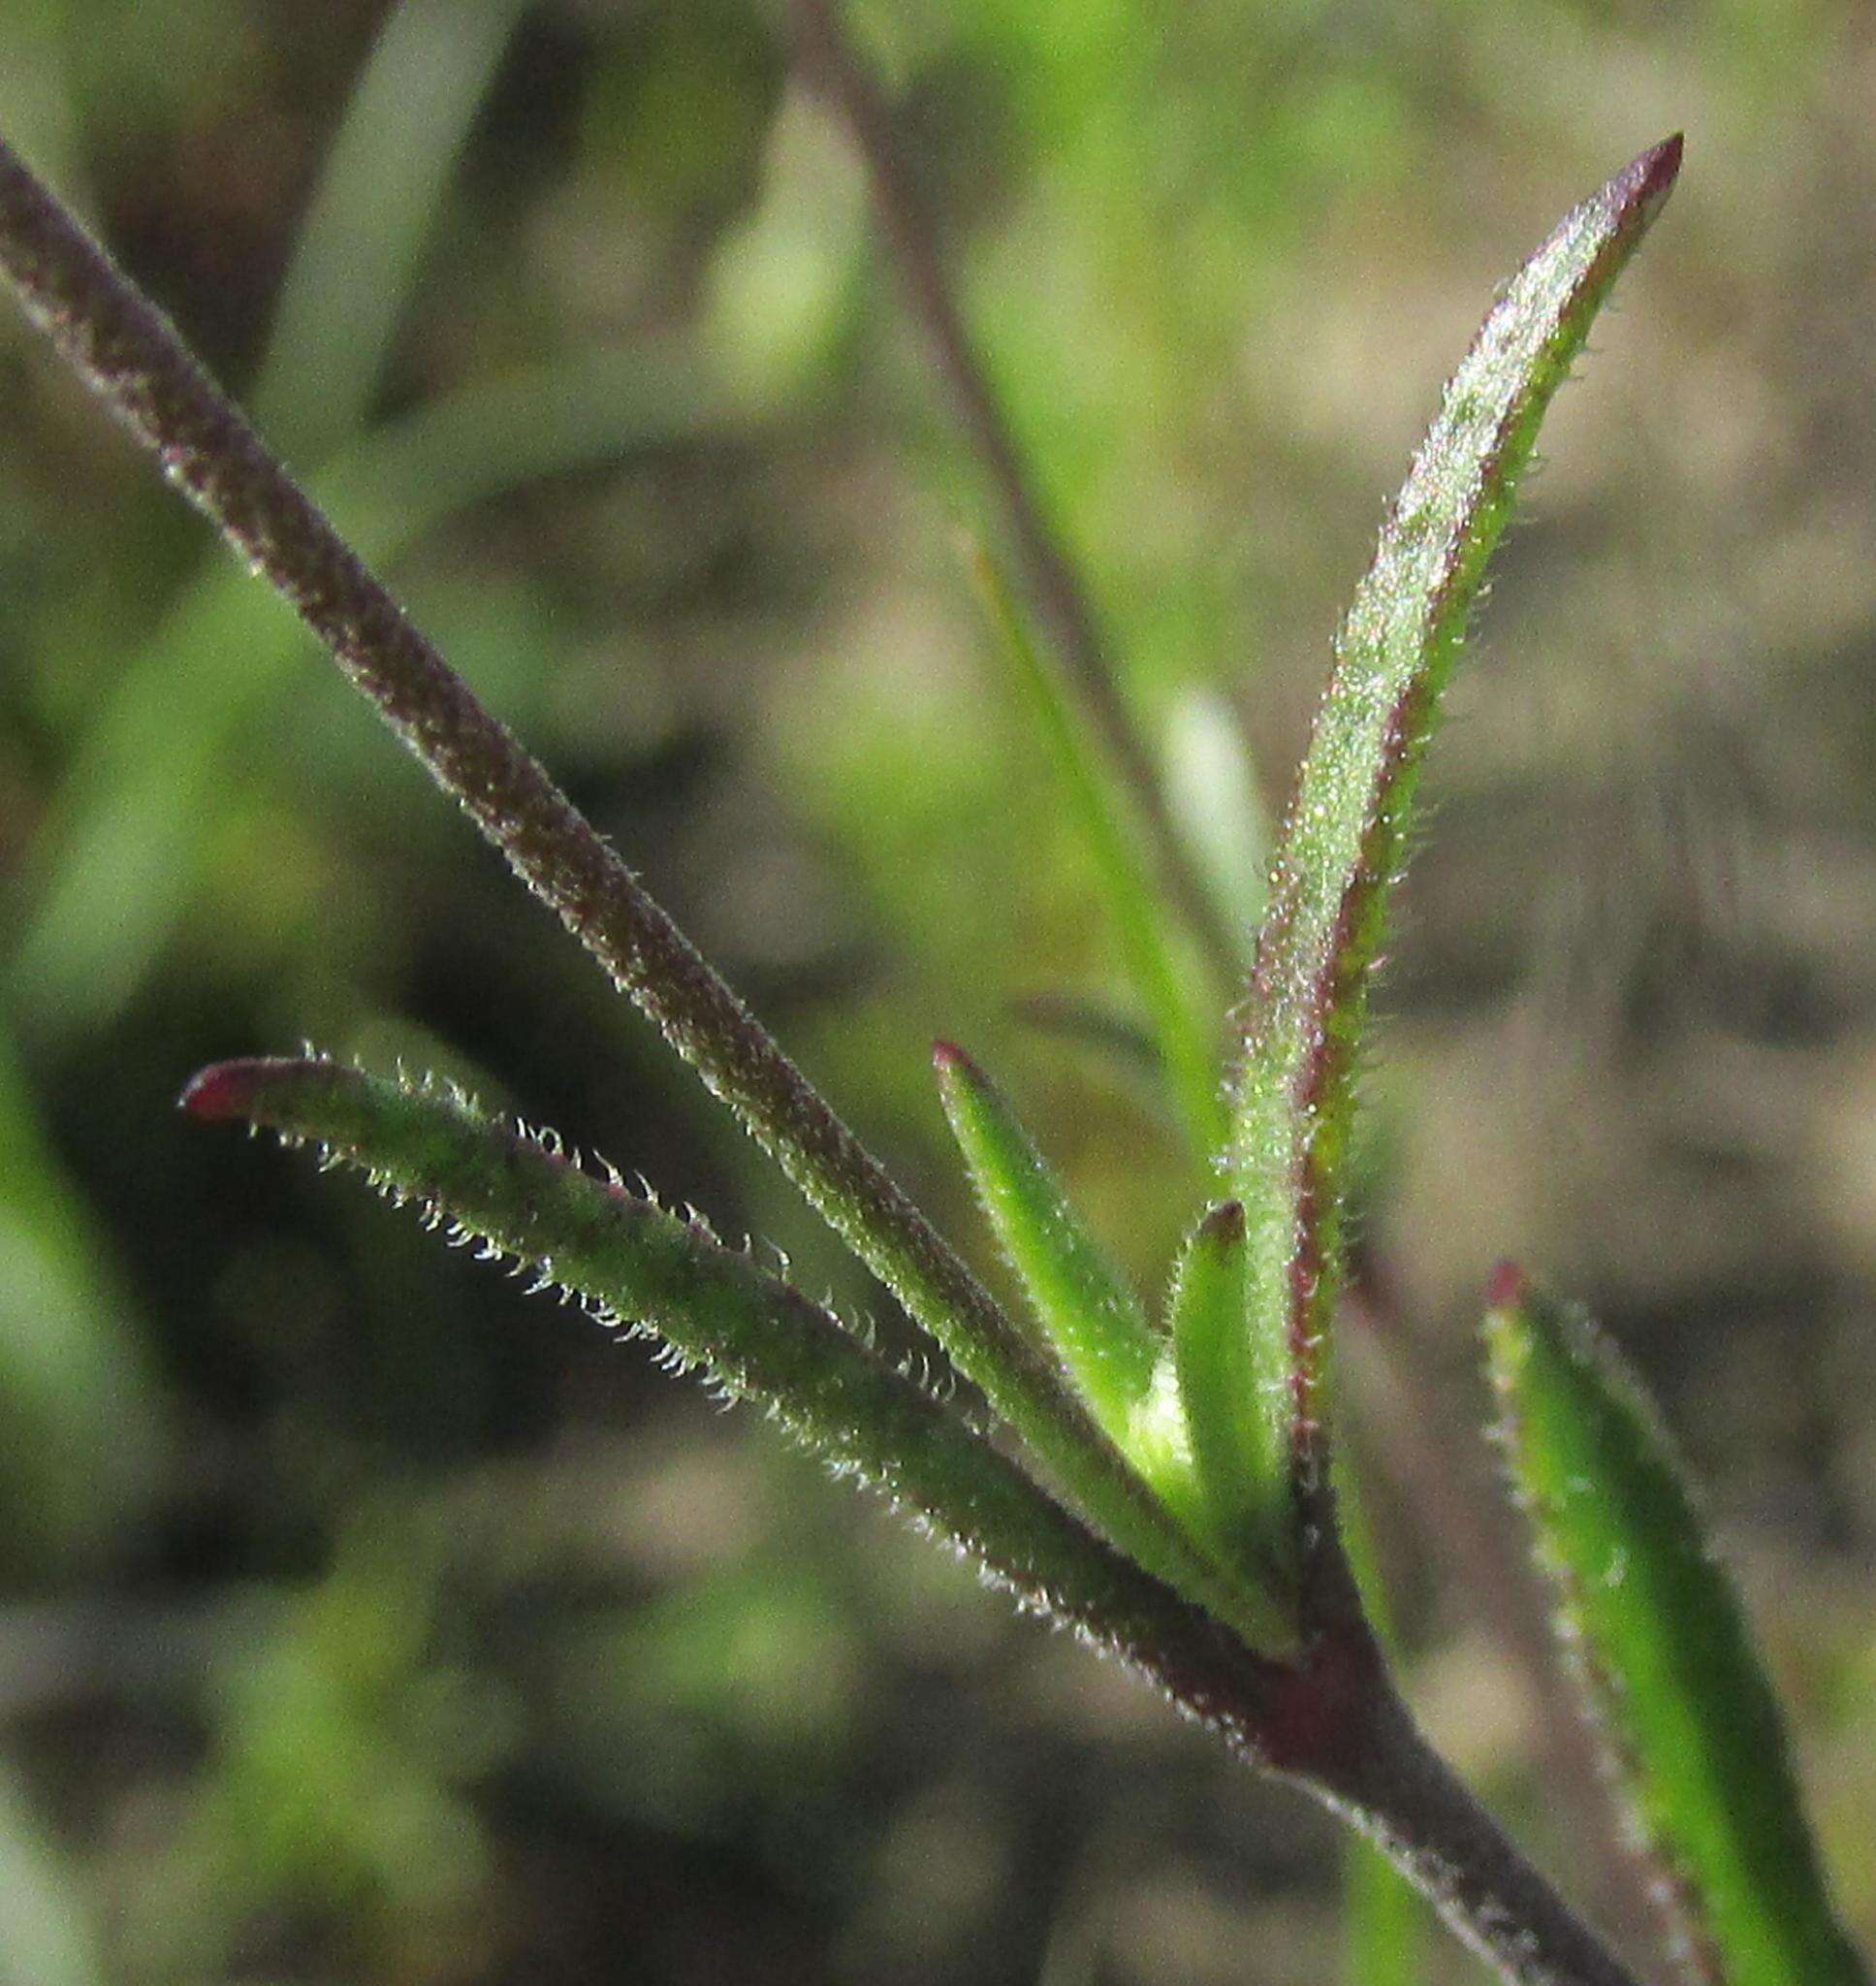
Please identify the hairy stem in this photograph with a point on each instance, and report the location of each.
(836, 68)
(1379, 1774)
(1331, 1723)
(133, 359)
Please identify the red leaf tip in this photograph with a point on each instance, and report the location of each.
(221, 1091)
(948, 1059)
(1644, 182)
(1506, 1288)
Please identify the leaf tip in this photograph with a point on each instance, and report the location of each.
(958, 1076)
(1507, 1288)
(223, 1091)
(1645, 182)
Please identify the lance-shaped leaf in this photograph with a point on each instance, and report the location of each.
(1663, 1648)
(1345, 841)
(1120, 1365)
(1089, 1316)
(1245, 1507)
(1165, 973)
(525, 1198)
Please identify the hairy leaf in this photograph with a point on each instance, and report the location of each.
(1093, 1321)
(1246, 1505)
(1346, 837)
(525, 1199)
(1663, 1648)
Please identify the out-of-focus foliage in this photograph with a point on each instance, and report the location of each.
(363, 1620)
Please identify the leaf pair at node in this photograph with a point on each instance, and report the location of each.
(1221, 1411)
(1186, 1525)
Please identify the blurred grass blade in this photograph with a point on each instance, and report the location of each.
(48, 1935)
(1090, 1318)
(1384, 1921)
(523, 1198)
(784, 283)
(1346, 839)
(1099, 1031)
(1216, 805)
(122, 852)
(1663, 1648)
(1160, 963)
(371, 217)
(83, 1430)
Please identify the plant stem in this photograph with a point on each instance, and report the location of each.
(837, 70)
(1332, 1725)
(133, 359)
(1381, 1775)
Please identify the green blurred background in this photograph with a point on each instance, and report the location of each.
(363, 1620)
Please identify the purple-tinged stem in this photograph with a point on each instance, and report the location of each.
(836, 68)
(1332, 1724)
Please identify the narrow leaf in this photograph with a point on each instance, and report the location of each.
(130, 356)
(1247, 1505)
(1663, 1648)
(1089, 1316)
(1094, 1325)
(525, 1199)
(1346, 839)
(1164, 971)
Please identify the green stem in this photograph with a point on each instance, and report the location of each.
(1330, 1721)
(836, 67)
